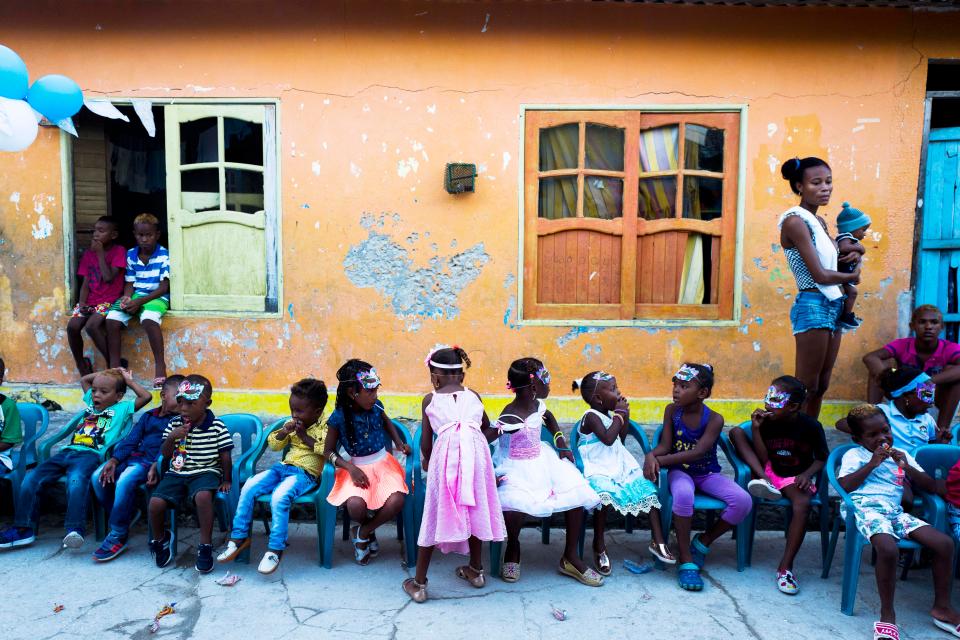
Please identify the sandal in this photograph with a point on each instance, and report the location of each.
(949, 628)
(688, 575)
(602, 563)
(589, 577)
(477, 581)
(699, 551)
(787, 583)
(887, 631)
(361, 556)
(158, 382)
(416, 591)
(661, 552)
(510, 571)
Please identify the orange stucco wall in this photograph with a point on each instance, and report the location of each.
(376, 97)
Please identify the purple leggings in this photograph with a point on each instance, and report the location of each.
(717, 485)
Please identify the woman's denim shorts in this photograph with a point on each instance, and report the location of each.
(811, 310)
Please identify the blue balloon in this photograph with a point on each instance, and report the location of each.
(56, 97)
(13, 75)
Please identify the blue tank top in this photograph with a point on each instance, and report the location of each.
(685, 439)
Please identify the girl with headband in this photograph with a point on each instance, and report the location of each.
(786, 450)
(461, 510)
(370, 483)
(534, 480)
(911, 393)
(812, 256)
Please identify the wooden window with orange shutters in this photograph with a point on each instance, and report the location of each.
(630, 215)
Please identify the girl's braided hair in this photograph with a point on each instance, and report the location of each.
(348, 385)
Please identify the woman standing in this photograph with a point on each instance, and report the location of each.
(812, 256)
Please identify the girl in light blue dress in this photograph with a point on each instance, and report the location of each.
(611, 470)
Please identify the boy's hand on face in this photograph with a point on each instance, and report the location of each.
(758, 417)
(96, 245)
(899, 457)
(880, 454)
(288, 428)
(180, 432)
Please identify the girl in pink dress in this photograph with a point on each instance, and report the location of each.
(461, 510)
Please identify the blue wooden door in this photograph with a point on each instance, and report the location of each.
(940, 234)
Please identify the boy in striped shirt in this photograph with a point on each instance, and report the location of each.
(146, 294)
(197, 447)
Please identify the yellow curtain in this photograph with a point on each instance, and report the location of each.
(558, 150)
(658, 152)
(692, 279)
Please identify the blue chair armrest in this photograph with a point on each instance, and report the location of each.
(741, 472)
(634, 430)
(44, 448)
(831, 471)
(934, 510)
(574, 441)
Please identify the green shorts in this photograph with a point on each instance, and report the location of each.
(152, 310)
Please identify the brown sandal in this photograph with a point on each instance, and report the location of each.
(416, 591)
(478, 581)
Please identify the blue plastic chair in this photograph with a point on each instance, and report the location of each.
(634, 431)
(246, 431)
(820, 500)
(937, 460)
(406, 522)
(34, 420)
(703, 502)
(854, 541)
(310, 497)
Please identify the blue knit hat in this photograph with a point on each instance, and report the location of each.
(851, 219)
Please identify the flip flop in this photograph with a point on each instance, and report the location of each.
(662, 553)
(887, 631)
(949, 628)
(688, 576)
(477, 581)
(589, 577)
(602, 563)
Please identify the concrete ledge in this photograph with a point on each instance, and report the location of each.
(567, 409)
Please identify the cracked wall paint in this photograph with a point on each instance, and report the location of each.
(382, 264)
(575, 333)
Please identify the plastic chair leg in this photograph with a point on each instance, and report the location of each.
(99, 519)
(852, 552)
(583, 539)
(831, 549)
(743, 544)
(545, 530)
(824, 534)
(751, 533)
(409, 539)
(496, 557)
(329, 524)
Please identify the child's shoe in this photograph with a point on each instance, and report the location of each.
(416, 591)
(763, 489)
(162, 550)
(270, 562)
(233, 549)
(16, 537)
(786, 583)
(848, 321)
(204, 558)
(73, 540)
(109, 549)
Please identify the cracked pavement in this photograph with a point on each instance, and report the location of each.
(301, 600)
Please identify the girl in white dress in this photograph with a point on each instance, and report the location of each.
(532, 479)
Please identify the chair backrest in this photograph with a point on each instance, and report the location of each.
(833, 465)
(956, 433)
(245, 430)
(34, 420)
(937, 459)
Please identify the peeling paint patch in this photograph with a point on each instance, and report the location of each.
(575, 332)
(15, 199)
(40, 335)
(756, 346)
(775, 248)
(506, 160)
(510, 314)
(355, 171)
(315, 167)
(758, 262)
(290, 310)
(384, 265)
(43, 228)
(590, 350)
(404, 167)
(884, 284)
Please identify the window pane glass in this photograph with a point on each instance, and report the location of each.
(198, 141)
(200, 190)
(604, 147)
(559, 147)
(657, 198)
(602, 197)
(244, 190)
(659, 149)
(558, 197)
(242, 141)
(702, 198)
(703, 148)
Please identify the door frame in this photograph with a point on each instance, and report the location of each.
(273, 193)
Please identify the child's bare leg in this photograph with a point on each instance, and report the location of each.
(98, 333)
(683, 525)
(357, 510)
(204, 502)
(514, 522)
(942, 547)
(745, 450)
(385, 514)
(599, 528)
(656, 529)
(475, 545)
(423, 563)
(800, 501)
(886, 569)
(574, 521)
(155, 336)
(113, 341)
(906, 502)
(75, 340)
(850, 302)
(158, 516)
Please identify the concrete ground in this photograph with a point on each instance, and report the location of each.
(302, 600)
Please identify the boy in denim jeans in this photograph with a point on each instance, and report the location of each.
(104, 419)
(197, 446)
(132, 464)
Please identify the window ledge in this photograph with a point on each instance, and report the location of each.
(665, 323)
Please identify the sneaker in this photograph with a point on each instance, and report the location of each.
(109, 549)
(764, 490)
(16, 537)
(787, 583)
(270, 562)
(162, 550)
(848, 321)
(204, 558)
(73, 540)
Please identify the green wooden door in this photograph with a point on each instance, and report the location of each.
(216, 208)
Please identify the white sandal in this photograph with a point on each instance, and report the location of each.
(361, 556)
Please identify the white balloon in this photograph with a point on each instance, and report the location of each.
(18, 125)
